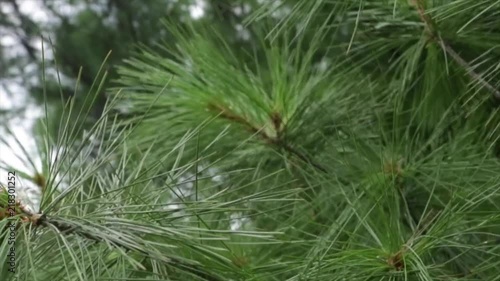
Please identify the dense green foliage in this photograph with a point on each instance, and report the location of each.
(336, 140)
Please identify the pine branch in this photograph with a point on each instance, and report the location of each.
(433, 35)
(64, 228)
(277, 141)
(468, 68)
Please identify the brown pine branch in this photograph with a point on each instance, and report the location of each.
(41, 220)
(430, 29)
(277, 141)
(458, 59)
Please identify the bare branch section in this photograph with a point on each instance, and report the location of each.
(434, 36)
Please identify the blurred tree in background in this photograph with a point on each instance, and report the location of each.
(82, 33)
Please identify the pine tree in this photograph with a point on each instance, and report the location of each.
(346, 140)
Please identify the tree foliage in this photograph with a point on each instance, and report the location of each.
(341, 140)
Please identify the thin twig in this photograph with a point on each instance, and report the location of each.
(302, 157)
(434, 36)
(278, 141)
(468, 68)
